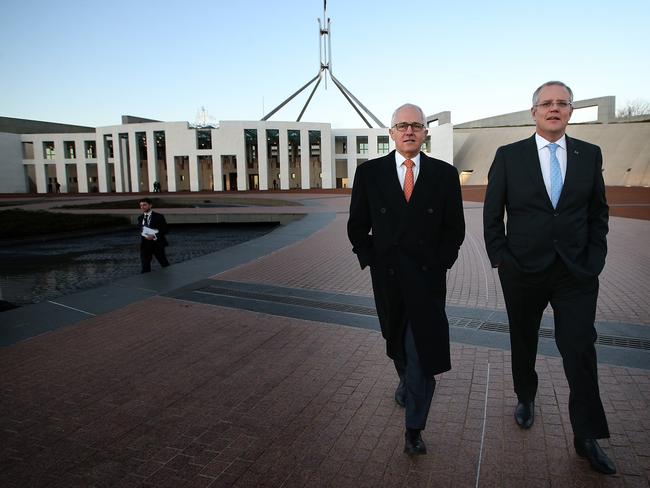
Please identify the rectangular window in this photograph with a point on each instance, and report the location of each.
(69, 150)
(204, 139)
(272, 144)
(90, 147)
(382, 144)
(250, 136)
(108, 146)
(141, 145)
(28, 150)
(48, 149)
(341, 145)
(362, 144)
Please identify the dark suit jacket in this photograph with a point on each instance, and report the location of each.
(157, 222)
(409, 251)
(536, 232)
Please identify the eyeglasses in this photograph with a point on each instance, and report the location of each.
(402, 126)
(561, 104)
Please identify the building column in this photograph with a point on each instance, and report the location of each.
(171, 169)
(59, 166)
(41, 177)
(352, 168)
(102, 164)
(242, 168)
(82, 174)
(305, 167)
(217, 171)
(327, 168)
(151, 159)
(134, 162)
(352, 159)
(262, 159)
(193, 163)
(283, 154)
(117, 163)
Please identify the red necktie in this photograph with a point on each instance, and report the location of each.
(409, 180)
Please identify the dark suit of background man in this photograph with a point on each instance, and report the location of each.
(152, 245)
(552, 251)
(409, 242)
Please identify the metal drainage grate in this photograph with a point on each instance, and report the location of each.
(604, 340)
(454, 321)
(289, 300)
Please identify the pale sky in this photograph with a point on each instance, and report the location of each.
(87, 62)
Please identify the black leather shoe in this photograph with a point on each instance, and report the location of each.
(590, 449)
(414, 445)
(525, 414)
(400, 394)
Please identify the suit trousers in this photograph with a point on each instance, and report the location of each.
(148, 249)
(419, 388)
(574, 312)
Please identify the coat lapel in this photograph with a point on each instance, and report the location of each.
(531, 156)
(391, 182)
(572, 162)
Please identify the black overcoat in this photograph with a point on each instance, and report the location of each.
(409, 247)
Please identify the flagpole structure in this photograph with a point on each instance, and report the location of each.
(325, 51)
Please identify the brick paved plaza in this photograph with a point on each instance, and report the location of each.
(177, 389)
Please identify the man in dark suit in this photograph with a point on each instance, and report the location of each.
(153, 229)
(406, 223)
(551, 251)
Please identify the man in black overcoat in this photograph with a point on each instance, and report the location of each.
(153, 229)
(551, 251)
(406, 223)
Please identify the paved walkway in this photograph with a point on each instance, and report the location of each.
(262, 366)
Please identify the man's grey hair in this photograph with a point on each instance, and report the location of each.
(408, 105)
(551, 83)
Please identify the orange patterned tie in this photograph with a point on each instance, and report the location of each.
(409, 180)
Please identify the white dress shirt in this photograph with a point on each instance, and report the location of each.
(544, 153)
(401, 168)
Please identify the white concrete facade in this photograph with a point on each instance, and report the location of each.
(13, 177)
(237, 155)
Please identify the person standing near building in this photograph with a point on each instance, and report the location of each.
(406, 223)
(153, 229)
(551, 251)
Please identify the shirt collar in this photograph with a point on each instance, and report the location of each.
(541, 142)
(399, 159)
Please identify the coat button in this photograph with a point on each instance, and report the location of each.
(420, 242)
(391, 271)
(556, 214)
(429, 210)
(382, 210)
(424, 268)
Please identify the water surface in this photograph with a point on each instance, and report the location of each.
(38, 271)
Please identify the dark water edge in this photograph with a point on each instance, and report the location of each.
(36, 271)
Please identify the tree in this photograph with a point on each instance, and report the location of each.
(634, 108)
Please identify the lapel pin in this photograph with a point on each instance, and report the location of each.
(576, 152)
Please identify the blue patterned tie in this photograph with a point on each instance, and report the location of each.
(556, 175)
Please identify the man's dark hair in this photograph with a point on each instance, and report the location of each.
(145, 200)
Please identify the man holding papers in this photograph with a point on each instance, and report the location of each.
(153, 228)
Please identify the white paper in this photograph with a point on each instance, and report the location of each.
(148, 231)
